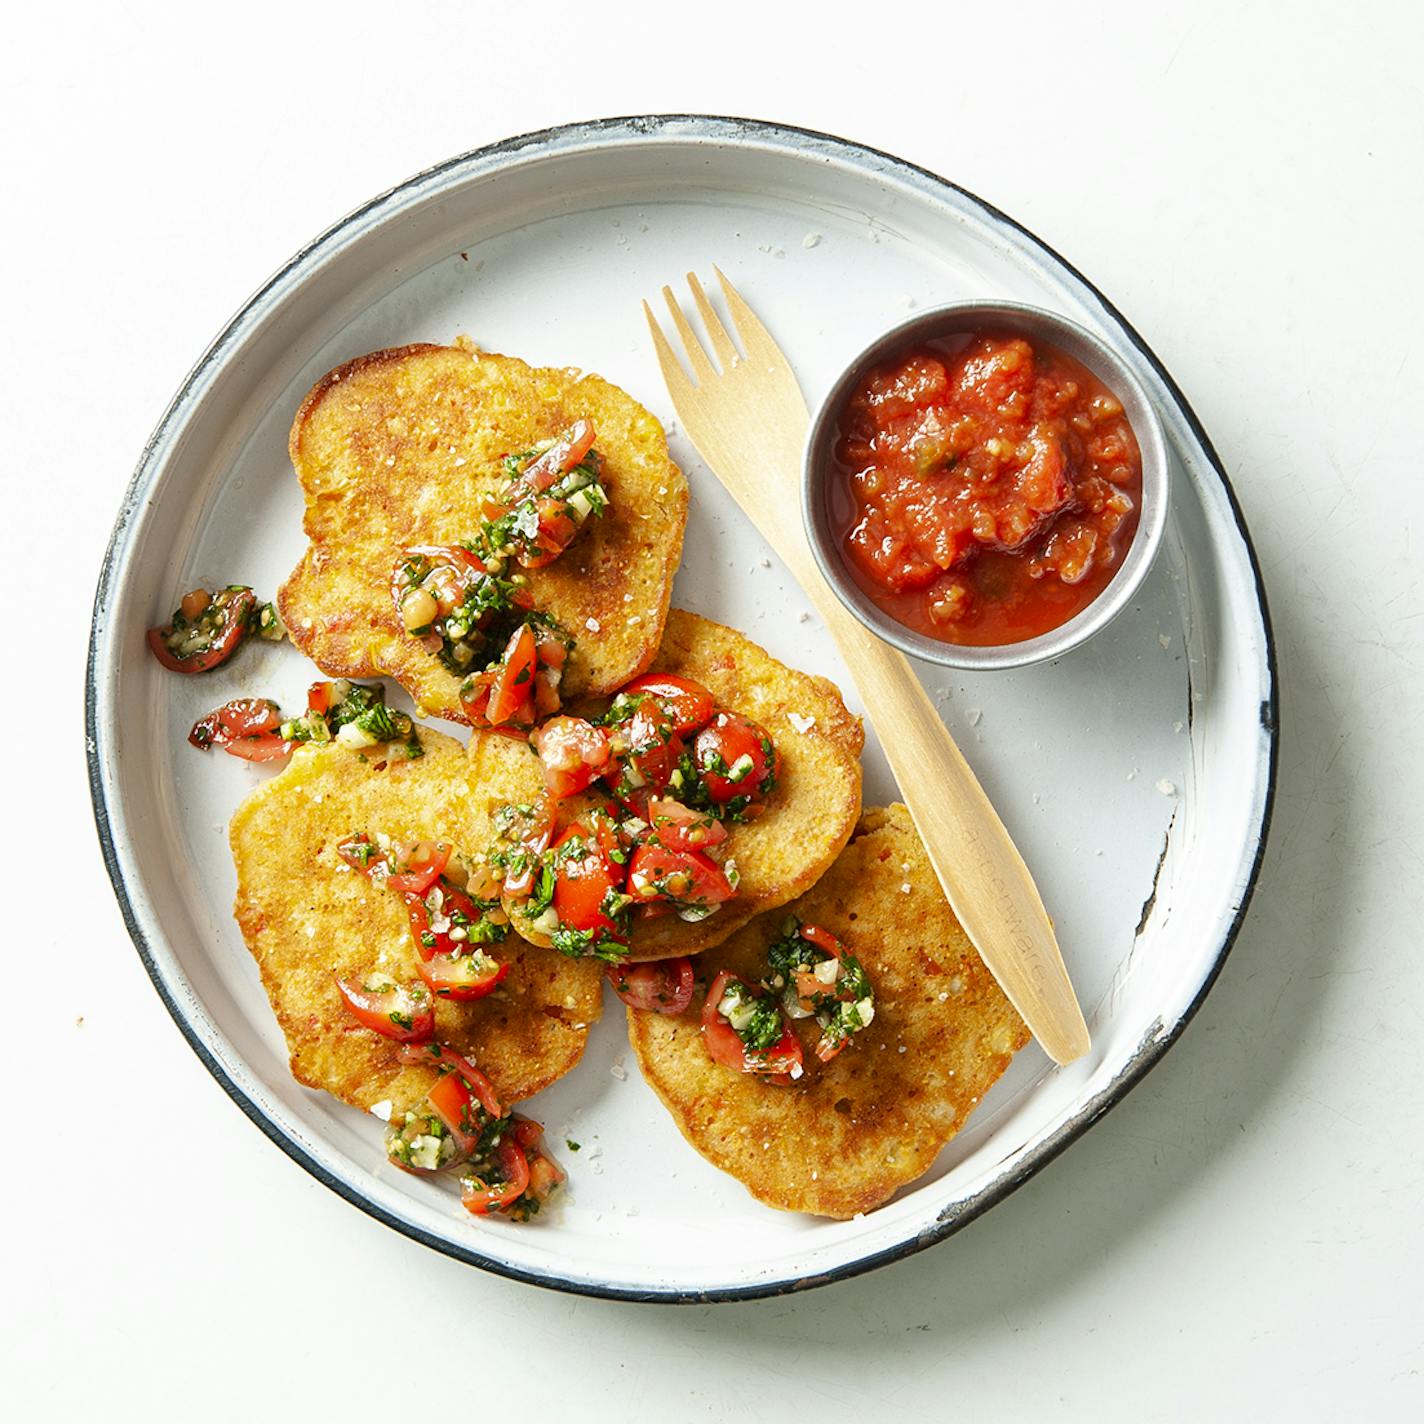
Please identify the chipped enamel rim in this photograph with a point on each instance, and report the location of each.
(569, 141)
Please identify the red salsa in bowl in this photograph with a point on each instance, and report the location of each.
(984, 487)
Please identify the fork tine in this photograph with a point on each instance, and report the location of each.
(727, 353)
(674, 377)
(748, 325)
(697, 357)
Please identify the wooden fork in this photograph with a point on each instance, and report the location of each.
(748, 420)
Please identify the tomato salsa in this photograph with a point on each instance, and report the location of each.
(675, 771)
(994, 485)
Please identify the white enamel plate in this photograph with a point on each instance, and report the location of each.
(1135, 774)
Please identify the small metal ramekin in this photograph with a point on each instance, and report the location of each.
(1018, 318)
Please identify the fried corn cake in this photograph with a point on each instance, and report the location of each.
(400, 448)
(846, 1135)
(808, 818)
(305, 913)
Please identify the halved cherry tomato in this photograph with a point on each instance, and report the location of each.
(420, 866)
(480, 1196)
(556, 525)
(679, 827)
(684, 877)
(445, 902)
(719, 1036)
(688, 703)
(463, 1070)
(243, 717)
(266, 747)
(583, 882)
(645, 750)
(462, 978)
(574, 752)
(735, 757)
(562, 456)
(555, 533)
(452, 1101)
(544, 1173)
(513, 685)
(405, 1013)
(229, 611)
(662, 987)
(777, 1064)
(526, 1131)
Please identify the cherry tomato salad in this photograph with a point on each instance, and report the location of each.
(744, 1028)
(817, 977)
(674, 770)
(463, 1125)
(454, 911)
(678, 770)
(351, 713)
(810, 974)
(476, 616)
(206, 629)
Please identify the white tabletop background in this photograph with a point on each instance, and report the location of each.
(1243, 1236)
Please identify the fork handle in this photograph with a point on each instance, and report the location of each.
(983, 875)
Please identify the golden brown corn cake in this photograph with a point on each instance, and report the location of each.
(810, 814)
(399, 448)
(845, 1136)
(305, 913)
